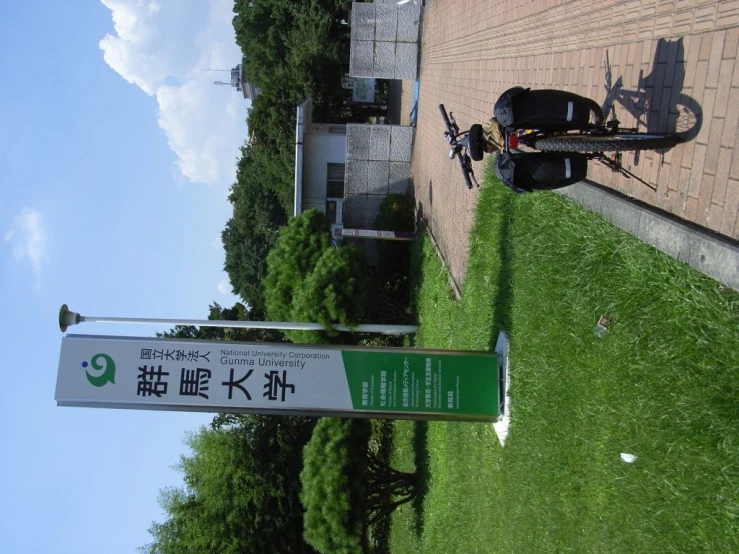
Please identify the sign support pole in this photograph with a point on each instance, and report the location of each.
(68, 318)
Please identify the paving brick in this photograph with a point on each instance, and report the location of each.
(709, 99)
(714, 146)
(646, 28)
(731, 205)
(648, 10)
(690, 209)
(704, 199)
(704, 19)
(723, 88)
(664, 6)
(728, 136)
(728, 13)
(691, 62)
(682, 23)
(663, 26)
(699, 155)
(701, 71)
(705, 49)
(713, 219)
(714, 60)
(731, 42)
(684, 4)
(722, 176)
(693, 186)
(673, 177)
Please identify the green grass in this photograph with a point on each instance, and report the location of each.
(663, 384)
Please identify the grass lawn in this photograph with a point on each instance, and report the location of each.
(663, 385)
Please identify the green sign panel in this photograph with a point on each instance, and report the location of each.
(448, 383)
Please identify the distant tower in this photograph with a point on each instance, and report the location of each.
(239, 82)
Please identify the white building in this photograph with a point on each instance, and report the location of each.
(320, 164)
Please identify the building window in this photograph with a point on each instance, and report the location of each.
(335, 181)
(338, 129)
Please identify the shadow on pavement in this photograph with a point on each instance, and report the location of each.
(658, 103)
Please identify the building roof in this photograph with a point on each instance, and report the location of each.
(239, 82)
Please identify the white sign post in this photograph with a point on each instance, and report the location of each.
(219, 376)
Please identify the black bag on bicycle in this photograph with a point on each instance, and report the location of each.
(527, 171)
(546, 109)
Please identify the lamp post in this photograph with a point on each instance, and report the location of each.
(67, 318)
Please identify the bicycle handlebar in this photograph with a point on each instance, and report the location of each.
(465, 171)
(445, 117)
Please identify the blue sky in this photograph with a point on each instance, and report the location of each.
(116, 154)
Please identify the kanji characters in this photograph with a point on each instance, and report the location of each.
(194, 382)
(231, 384)
(275, 383)
(150, 381)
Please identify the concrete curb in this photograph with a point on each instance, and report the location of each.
(714, 256)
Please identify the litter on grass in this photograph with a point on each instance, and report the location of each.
(601, 328)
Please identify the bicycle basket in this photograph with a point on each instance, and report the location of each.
(528, 171)
(547, 109)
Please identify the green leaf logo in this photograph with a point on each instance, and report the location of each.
(107, 368)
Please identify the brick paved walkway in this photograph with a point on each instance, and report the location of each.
(669, 65)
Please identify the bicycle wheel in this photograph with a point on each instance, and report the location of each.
(476, 142)
(608, 143)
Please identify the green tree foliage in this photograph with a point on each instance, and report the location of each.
(345, 487)
(334, 292)
(240, 491)
(307, 280)
(238, 312)
(252, 230)
(267, 32)
(291, 51)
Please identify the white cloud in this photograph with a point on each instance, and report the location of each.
(162, 46)
(224, 287)
(27, 238)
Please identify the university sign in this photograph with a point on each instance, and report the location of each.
(217, 376)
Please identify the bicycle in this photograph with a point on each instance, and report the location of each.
(563, 129)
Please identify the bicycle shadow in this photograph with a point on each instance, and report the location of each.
(657, 104)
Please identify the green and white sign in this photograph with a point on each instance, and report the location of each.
(215, 376)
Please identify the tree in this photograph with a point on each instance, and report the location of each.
(346, 487)
(240, 491)
(334, 291)
(307, 280)
(252, 230)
